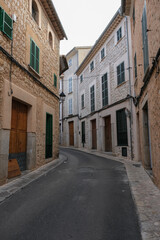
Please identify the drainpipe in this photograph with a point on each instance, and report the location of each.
(10, 71)
(130, 91)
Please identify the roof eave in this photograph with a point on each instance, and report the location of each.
(98, 44)
(52, 14)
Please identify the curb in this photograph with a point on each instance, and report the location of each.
(8, 189)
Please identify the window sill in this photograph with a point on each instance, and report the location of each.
(119, 40)
(37, 74)
(102, 59)
(121, 84)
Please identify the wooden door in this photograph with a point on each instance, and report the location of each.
(18, 134)
(108, 138)
(94, 135)
(71, 133)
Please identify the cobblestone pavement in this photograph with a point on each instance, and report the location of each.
(145, 194)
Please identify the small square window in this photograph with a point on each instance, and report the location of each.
(119, 34)
(82, 101)
(102, 54)
(70, 85)
(92, 66)
(81, 78)
(120, 73)
(70, 62)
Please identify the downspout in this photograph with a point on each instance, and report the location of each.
(130, 91)
(10, 71)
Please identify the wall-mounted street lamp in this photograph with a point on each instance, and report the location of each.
(62, 97)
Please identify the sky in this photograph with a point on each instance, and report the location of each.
(84, 20)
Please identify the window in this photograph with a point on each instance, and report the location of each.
(70, 85)
(70, 106)
(102, 54)
(70, 62)
(83, 132)
(92, 66)
(55, 80)
(49, 134)
(35, 12)
(82, 101)
(119, 34)
(81, 78)
(92, 98)
(120, 73)
(135, 65)
(145, 40)
(6, 23)
(104, 90)
(50, 40)
(122, 139)
(34, 56)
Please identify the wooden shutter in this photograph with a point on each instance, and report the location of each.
(6, 23)
(55, 80)
(122, 138)
(145, 40)
(104, 90)
(37, 60)
(34, 56)
(92, 98)
(32, 53)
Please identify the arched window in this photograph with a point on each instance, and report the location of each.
(50, 39)
(35, 12)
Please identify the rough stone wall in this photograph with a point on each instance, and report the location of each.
(151, 94)
(23, 29)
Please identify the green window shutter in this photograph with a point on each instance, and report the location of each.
(32, 53)
(55, 80)
(145, 40)
(6, 24)
(104, 90)
(49, 135)
(135, 65)
(34, 56)
(37, 60)
(122, 139)
(1, 19)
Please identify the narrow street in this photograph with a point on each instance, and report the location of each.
(85, 198)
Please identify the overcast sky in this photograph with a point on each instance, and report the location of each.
(84, 20)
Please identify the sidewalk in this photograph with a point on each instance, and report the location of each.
(20, 182)
(145, 194)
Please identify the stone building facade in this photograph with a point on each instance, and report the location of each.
(69, 108)
(30, 33)
(106, 118)
(106, 110)
(145, 29)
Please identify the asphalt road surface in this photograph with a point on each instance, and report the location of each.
(85, 198)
